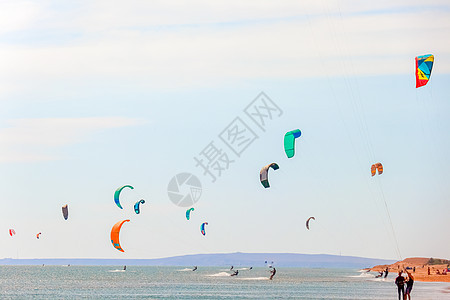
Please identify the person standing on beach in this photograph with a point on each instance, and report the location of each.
(409, 285)
(400, 282)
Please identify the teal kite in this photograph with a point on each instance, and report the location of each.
(117, 194)
(289, 142)
(188, 213)
(137, 208)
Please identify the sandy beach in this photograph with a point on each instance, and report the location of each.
(420, 272)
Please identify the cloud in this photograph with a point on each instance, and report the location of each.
(18, 15)
(100, 15)
(26, 140)
(200, 44)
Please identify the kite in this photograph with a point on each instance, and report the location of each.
(137, 209)
(117, 194)
(307, 222)
(289, 142)
(65, 211)
(115, 235)
(12, 232)
(263, 174)
(375, 167)
(188, 213)
(202, 228)
(424, 64)
(38, 235)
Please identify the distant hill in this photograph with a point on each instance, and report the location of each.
(220, 259)
(422, 262)
(423, 268)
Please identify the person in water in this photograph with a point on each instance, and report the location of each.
(251, 268)
(409, 285)
(274, 271)
(195, 268)
(400, 282)
(386, 272)
(235, 273)
(124, 268)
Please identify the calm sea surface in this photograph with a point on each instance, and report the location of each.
(109, 282)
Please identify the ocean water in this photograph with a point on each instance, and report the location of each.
(109, 282)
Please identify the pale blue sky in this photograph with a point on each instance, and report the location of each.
(96, 96)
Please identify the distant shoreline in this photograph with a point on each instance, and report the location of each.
(218, 259)
(419, 269)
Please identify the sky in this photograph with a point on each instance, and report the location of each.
(95, 96)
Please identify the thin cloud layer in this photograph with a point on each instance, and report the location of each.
(26, 140)
(203, 44)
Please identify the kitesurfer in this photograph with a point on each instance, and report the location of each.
(274, 271)
(235, 273)
(251, 268)
(124, 268)
(195, 268)
(231, 268)
(386, 272)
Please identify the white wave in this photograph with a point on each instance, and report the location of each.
(114, 271)
(234, 269)
(184, 270)
(220, 274)
(362, 275)
(369, 276)
(254, 278)
(378, 279)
